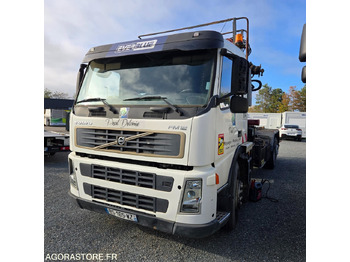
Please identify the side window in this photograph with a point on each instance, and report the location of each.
(225, 86)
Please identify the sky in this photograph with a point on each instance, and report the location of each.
(71, 28)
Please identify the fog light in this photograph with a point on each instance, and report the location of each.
(73, 181)
(192, 196)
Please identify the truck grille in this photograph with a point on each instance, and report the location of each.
(123, 176)
(126, 176)
(126, 199)
(152, 144)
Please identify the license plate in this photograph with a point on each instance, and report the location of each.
(122, 215)
(291, 134)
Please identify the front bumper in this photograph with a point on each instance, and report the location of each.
(181, 229)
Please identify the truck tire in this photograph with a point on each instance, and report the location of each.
(271, 163)
(235, 199)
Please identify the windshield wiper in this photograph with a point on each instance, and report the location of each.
(150, 98)
(103, 100)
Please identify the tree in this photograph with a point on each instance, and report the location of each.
(303, 99)
(294, 96)
(263, 99)
(47, 93)
(284, 105)
(297, 99)
(59, 95)
(276, 100)
(268, 100)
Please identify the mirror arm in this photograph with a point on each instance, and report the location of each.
(225, 52)
(221, 99)
(80, 76)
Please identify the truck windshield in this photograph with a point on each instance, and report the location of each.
(184, 78)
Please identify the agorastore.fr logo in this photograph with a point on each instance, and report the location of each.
(81, 257)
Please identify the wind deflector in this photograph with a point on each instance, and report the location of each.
(183, 41)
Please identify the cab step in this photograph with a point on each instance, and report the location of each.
(222, 216)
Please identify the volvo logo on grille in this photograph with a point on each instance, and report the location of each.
(121, 140)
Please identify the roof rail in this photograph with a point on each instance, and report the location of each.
(234, 31)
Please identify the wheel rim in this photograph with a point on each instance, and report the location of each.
(237, 201)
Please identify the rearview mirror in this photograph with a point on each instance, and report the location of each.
(302, 50)
(302, 53)
(239, 83)
(303, 74)
(238, 104)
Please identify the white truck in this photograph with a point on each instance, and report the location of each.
(55, 142)
(159, 132)
(267, 120)
(277, 120)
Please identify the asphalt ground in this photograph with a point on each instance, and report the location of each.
(272, 229)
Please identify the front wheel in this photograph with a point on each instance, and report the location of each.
(235, 199)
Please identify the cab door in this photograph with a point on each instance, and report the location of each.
(228, 136)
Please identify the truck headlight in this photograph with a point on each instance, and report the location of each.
(191, 200)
